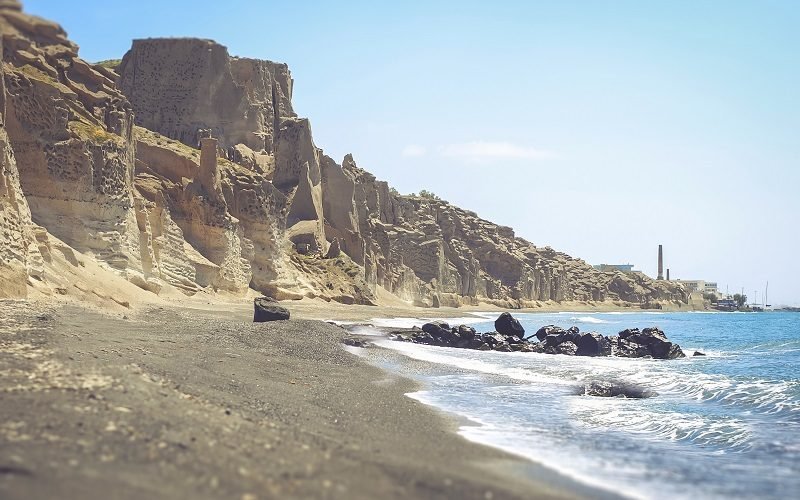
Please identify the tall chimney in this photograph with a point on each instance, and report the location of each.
(660, 263)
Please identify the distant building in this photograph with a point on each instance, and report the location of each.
(625, 268)
(693, 285)
(700, 286)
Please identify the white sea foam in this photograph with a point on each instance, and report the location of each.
(589, 319)
(418, 322)
(653, 420)
(517, 442)
(446, 356)
(365, 330)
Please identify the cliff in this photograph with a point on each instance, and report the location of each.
(184, 168)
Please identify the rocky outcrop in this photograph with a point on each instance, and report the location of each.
(432, 253)
(215, 245)
(19, 254)
(181, 87)
(650, 342)
(71, 132)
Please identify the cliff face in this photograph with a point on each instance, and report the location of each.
(183, 85)
(433, 253)
(70, 130)
(19, 254)
(189, 169)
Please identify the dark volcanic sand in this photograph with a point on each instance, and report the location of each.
(183, 404)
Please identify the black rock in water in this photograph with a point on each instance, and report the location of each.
(506, 324)
(554, 339)
(613, 389)
(648, 336)
(666, 350)
(435, 327)
(544, 331)
(593, 344)
(656, 343)
(569, 348)
(466, 332)
(698, 353)
(267, 309)
(354, 342)
(510, 337)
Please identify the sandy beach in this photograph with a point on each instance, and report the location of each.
(171, 402)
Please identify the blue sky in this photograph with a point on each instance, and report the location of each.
(600, 128)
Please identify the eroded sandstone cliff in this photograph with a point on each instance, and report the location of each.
(187, 168)
(19, 254)
(70, 130)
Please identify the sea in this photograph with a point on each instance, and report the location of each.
(724, 425)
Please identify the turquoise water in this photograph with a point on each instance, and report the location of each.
(724, 425)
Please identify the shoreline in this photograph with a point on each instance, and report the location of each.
(526, 466)
(177, 402)
(318, 309)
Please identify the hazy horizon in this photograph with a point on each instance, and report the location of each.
(601, 129)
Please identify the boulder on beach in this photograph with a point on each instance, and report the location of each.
(267, 309)
(506, 324)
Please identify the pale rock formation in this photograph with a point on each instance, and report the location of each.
(70, 129)
(305, 211)
(432, 253)
(295, 152)
(260, 209)
(339, 209)
(19, 252)
(197, 206)
(180, 86)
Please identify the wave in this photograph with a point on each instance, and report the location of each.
(443, 356)
(589, 319)
(418, 322)
(770, 397)
(365, 330)
(481, 431)
(761, 396)
(726, 434)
